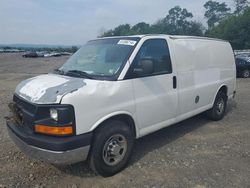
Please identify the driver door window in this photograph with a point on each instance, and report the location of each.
(156, 50)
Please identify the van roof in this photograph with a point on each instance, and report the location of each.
(174, 37)
(195, 37)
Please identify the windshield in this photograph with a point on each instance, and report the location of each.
(101, 58)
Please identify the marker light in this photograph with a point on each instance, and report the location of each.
(61, 131)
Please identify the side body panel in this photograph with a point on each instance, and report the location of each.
(203, 67)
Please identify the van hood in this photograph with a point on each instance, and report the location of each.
(48, 89)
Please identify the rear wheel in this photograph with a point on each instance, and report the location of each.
(217, 112)
(111, 149)
(246, 74)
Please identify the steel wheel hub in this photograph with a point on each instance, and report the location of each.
(220, 106)
(114, 149)
(246, 74)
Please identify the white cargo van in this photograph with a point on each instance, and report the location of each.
(115, 90)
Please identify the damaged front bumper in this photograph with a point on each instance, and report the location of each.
(55, 150)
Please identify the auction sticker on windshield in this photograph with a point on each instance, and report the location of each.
(127, 42)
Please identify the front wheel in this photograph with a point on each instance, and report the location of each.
(111, 149)
(217, 112)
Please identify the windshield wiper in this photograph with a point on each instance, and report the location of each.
(58, 71)
(79, 73)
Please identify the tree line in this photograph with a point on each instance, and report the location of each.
(222, 22)
(70, 49)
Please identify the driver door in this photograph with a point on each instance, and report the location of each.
(155, 94)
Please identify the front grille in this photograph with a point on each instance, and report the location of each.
(21, 103)
(26, 111)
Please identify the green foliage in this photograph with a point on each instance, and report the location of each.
(7, 48)
(121, 30)
(240, 6)
(178, 16)
(215, 12)
(236, 29)
(178, 21)
(141, 28)
(72, 49)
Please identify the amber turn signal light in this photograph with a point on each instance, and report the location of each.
(61, 131)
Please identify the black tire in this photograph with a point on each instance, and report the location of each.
(217, 112)
(112, 135)
(246, 73)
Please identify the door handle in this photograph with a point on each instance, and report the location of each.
(174, 82)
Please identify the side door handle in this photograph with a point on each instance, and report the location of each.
(174, 82)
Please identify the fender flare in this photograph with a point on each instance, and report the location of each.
(219, 88)
(113, 114)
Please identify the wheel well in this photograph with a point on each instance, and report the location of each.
(223, 89)
(124, 118)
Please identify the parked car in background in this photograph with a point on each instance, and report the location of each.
(243, 55)
(34, 54)
(243, 67)
(46, 54)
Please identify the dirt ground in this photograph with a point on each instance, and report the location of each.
(194, 153)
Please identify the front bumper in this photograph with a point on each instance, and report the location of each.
(55, 150)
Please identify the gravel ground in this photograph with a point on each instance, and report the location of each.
(194, 153)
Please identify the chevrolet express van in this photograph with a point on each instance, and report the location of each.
(115, 90)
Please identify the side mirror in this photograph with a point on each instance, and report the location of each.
(146, 66)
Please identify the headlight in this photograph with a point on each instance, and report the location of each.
(54, 114)
(55, 119)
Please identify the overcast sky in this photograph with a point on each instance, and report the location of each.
(76, 21)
